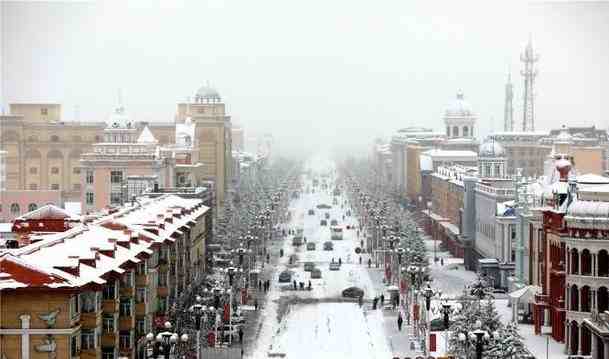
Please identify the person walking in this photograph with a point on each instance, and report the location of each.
(382, 300)
(374, 302)
(259, 284)
(240, 336)
(256, 304)
(400, 322)
(369, 263)
(360, 260)
(295, 286)
(360, 300)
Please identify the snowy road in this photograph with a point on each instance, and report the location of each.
(317, 323)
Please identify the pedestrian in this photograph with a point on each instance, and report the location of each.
(309, 285)
(369, 262)
(259, 284)
(400, 321)
(382, 300)
(361, 243)
(241, 334)
(441, 261)
(295, 287)
(360, 260)
(374, 302)
(256, 304)
(340, 262)
(361, 300)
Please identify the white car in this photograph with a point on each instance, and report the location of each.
(334, 266)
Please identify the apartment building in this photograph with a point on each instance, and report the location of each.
(92, 287)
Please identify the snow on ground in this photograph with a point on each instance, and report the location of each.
(328, 328)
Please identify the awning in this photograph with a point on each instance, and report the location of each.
(525, 294)
(450, 227)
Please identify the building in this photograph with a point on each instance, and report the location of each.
(238, 138)
(93, 287)
(123, 166)
(460, 121)
(213, 133)
(17, 202)
(3, 170)
(524, 150)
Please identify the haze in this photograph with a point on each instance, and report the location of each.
(311, 73)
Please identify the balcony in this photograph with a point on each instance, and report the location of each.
(163, 291)
(91, 320)
(109, 340)
(140, 309)
(141, 280)
(127, 292)
(110, 306)
(126, 323)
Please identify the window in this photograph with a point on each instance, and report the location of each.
(32, 207)
(125, 340)
(54, 170)
(76, 170)
(140, 295)
(108, 322)
(162, 279)
(108, 353)
(116, 197)
(55, 186)
(89, 198)
(74, 306)
(116, 177)
(76, 187)
(54, 138)
(88, 302)
(89, 178)
(15, 210)
(140, 268)
(87, 339)
(140, 326)
(125, 307)
(109, 291)
(127, 279)
(74, 346)
(33, 170)
(162, 305)
(44, 111)
(33, 186)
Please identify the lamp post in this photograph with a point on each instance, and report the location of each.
(477, 338)
(428, 293)
(446, 311)
(198, 312)
(166, 342)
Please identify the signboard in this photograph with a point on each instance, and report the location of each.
(432, 342)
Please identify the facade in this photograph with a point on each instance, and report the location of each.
(213, 133)
(126, 163)
(14, 203)
(3, 170)
(445, 158)
(523, 150)
(94, 290)
(238, 138)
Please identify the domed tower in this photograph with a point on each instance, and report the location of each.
(491, 160)
(207, 94)
(459, 118)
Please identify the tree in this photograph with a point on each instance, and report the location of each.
(507, 343)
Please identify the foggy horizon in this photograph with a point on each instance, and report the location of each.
(306, 72)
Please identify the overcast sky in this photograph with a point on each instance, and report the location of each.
(309, 72)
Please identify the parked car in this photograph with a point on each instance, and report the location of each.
(328, 246)
(334, 222)
(311, 212)
(309, 266)
(323, 222)
(334, 266)
(353, 292)
(297, 241)
(285, 277)
(316, 273)
(227, 331)
(310, 246)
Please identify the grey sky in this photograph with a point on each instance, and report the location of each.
(308, 71)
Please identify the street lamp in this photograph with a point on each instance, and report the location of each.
(198, 312)
(476, 337)
(166, 342)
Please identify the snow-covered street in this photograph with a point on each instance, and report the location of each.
(320, 323)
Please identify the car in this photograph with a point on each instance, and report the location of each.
(309, 266)
(323, 222)
(297, 241)
(328, 246)
(311, 212)
(316, 273)
(353, 292)
(323, 206)
(334, 222)
(311, 246)
(285, 277)
(227, 331)
(237, 319)
(334, 266)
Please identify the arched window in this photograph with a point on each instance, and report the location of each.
(574, 261)
(32, 207)
(465, 131)
(586, 259)
(15, 210)
(585, 299)
(602, 299)
(455, 131)
(574, 298)
(603, 263)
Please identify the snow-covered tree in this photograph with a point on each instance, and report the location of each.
(507, 343)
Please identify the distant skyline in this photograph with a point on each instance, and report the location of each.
(313, 74)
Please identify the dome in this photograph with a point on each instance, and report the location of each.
(564, 136)
(459, 107)
(491, 149)
(207, 92)
(119, 119)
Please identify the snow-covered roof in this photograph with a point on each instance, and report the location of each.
(75, 208)
(146, 136)
(48, 211)
(58, 259)
(459, 107)
(450, 153)
(591, 178)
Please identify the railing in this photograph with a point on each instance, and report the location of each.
(497, 191)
